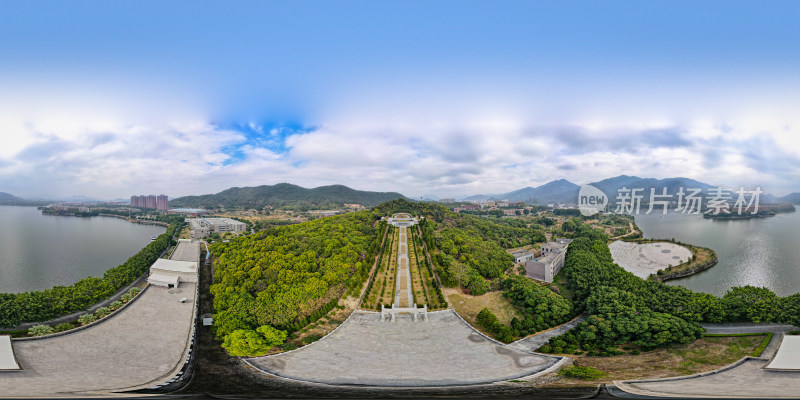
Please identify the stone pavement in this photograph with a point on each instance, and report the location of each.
(746, 380)
(645, 259)
(439, 352)
(139, 346)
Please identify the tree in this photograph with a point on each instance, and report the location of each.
(750, 303)
(272, 336)
(245, 342)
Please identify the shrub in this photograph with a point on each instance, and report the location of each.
(287, 346)
(115, 305)
(63, 327)
(87, 319)
(311, 339)
(585, 373)
(102, 312)
(134, 291)
(40, 330)
(126, 297)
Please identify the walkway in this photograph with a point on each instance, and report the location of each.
(533, 342)
(442, 351)
(404, 293)
(141, 345)
(746, 378)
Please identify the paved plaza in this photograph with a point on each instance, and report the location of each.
(746, 380)
(645, 259)
(141, 345)
(441, 351)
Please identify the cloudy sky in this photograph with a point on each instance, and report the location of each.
(109, 99)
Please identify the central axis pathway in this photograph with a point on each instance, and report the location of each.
(403, 292)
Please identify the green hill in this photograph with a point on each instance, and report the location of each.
(286, 195)
(7, 199)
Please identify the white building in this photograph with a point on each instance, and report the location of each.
(203, 226)
(546, 267)
(170, 273)
(520, 257)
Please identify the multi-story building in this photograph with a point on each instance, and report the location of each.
(202, 227)
(547, 266)
(162, 202)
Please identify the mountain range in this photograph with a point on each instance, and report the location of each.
(8, 199)
(334, 196)
(286, 194)
(564, 191)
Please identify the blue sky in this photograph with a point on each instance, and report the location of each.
(445, 98)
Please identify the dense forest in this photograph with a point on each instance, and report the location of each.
(623, 308)
(282, 276)
(287, 196)
(61, 300)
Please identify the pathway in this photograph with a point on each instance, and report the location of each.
(404, 295)
(533, 342)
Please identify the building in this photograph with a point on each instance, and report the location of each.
(402, 220)
(162, 202)
(170, 273)
(520, 257)
(546, 267)
(203, 226)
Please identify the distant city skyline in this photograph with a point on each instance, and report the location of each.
(439, 99)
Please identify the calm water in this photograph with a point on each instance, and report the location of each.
(40, 251)
(758, 251)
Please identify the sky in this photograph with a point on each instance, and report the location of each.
(443, 98)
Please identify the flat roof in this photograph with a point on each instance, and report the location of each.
(7, 359)
(156, 277)
(184, 267)
(788, 355)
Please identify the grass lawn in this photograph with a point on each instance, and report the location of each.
(560, 280)
(705, 354)
(469, 306)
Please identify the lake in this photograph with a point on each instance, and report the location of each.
(756, 251)
(41, 251)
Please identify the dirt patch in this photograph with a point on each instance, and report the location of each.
(702, 355)
(469, 306)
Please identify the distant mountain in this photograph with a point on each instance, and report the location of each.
(611, 186)
(8, 199)
(564, 191)
(558, 191)
(285, 195)
(480, 197)
(71, 199)
(793, 198)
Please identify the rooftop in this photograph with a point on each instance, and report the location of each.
(187, 267)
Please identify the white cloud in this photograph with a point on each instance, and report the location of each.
(110, 159)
